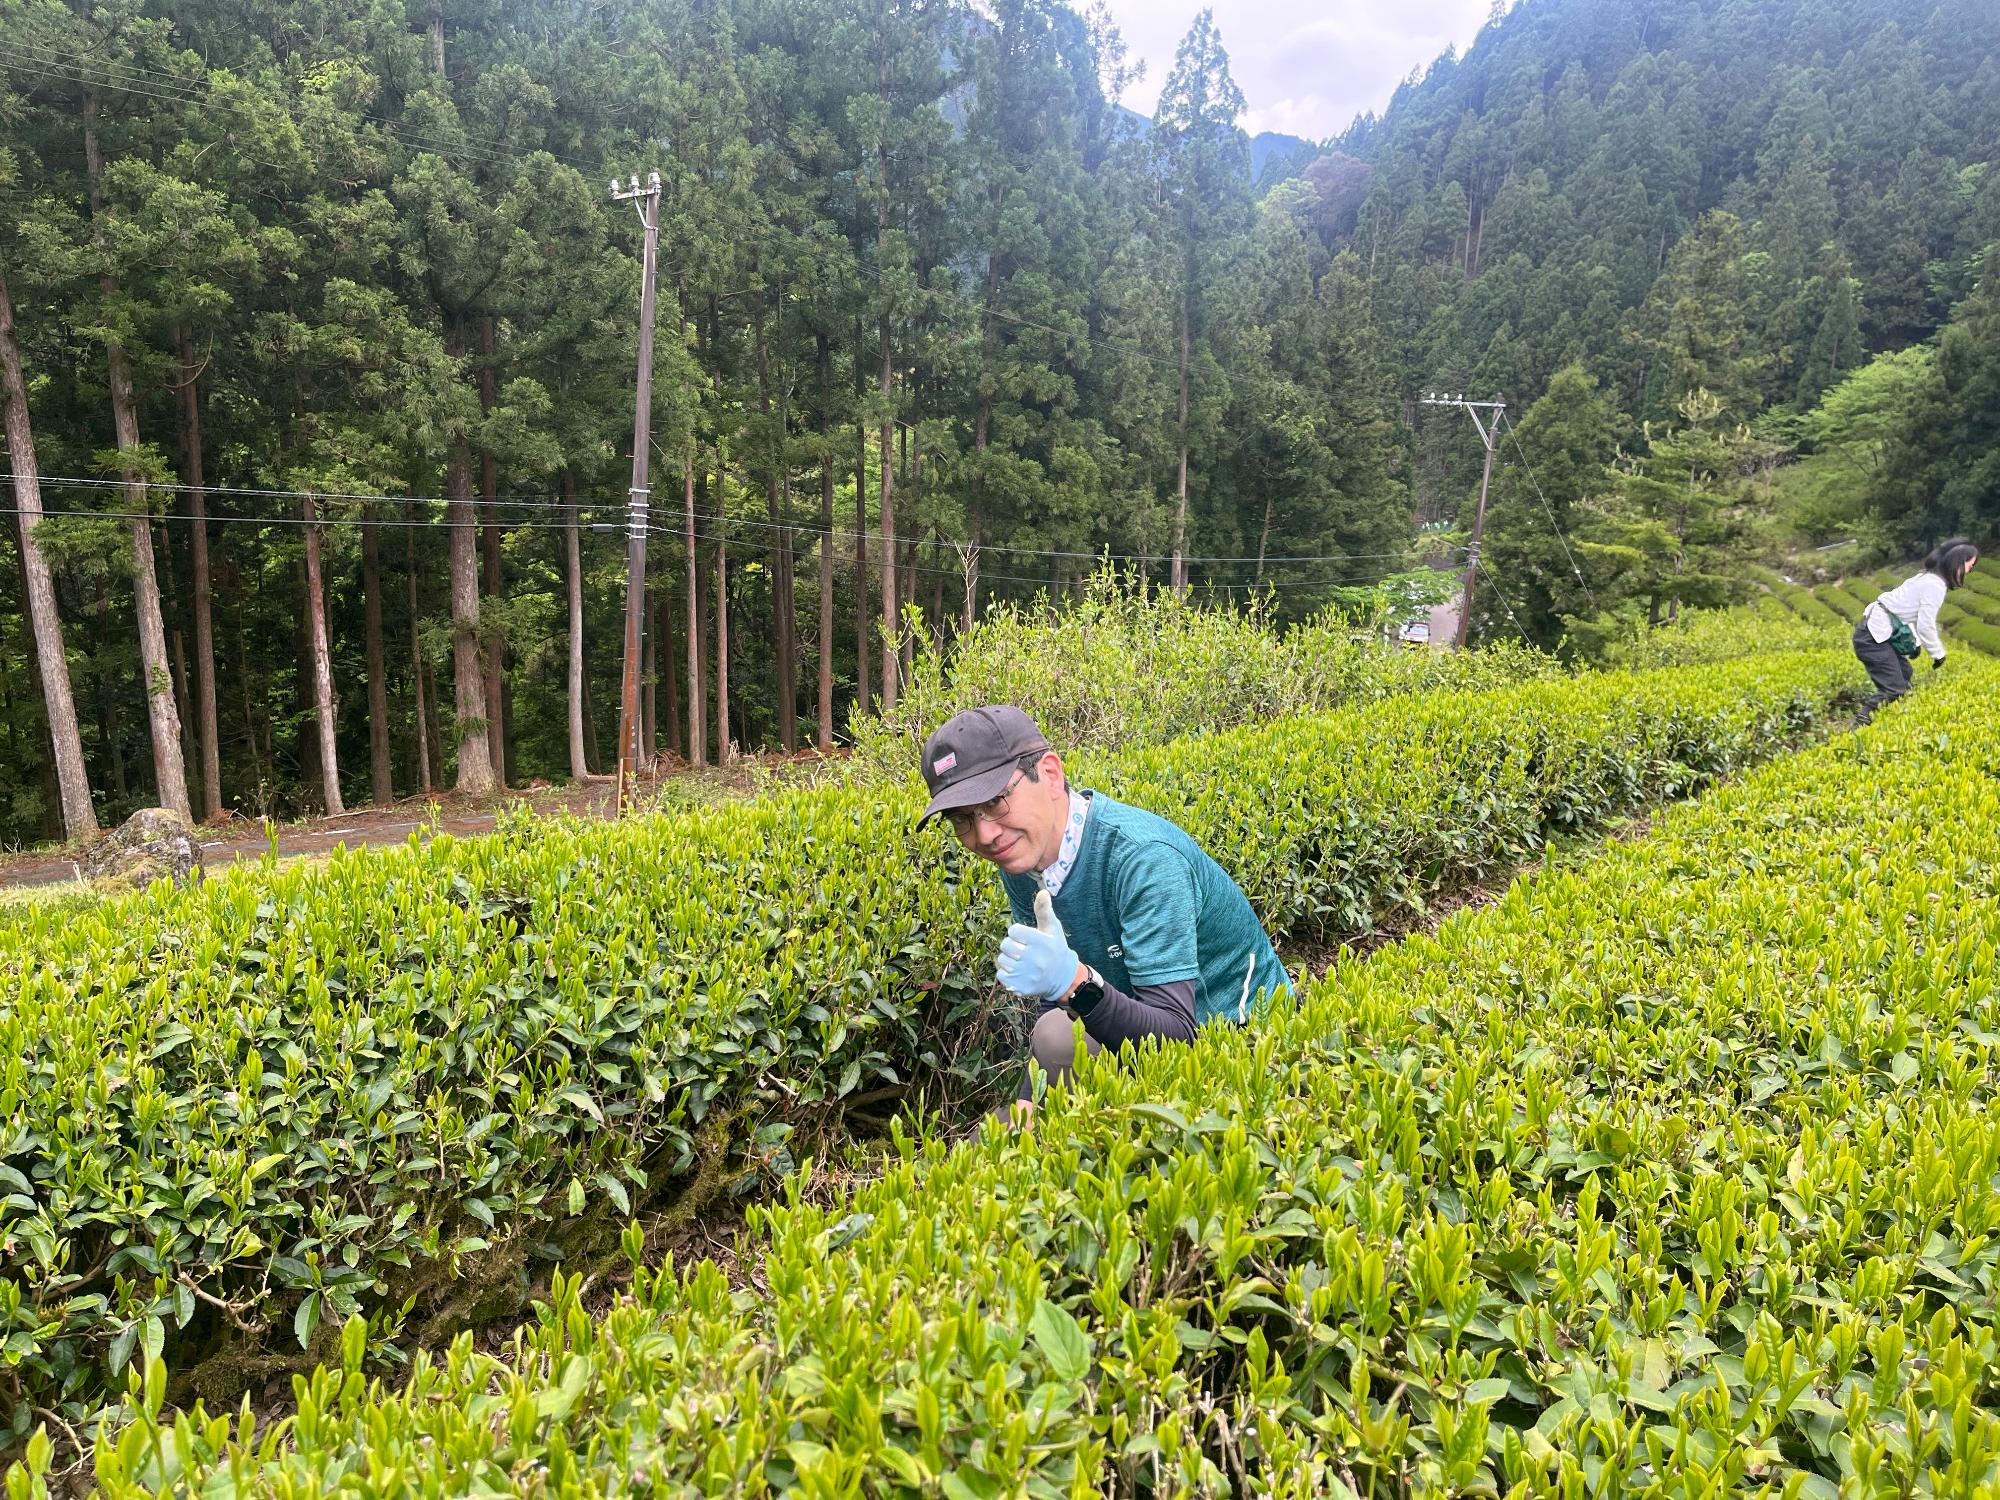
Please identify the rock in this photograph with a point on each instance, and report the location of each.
(153, 844)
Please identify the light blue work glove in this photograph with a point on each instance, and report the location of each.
(1037, 962)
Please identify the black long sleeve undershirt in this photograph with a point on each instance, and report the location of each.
(1164, 1010)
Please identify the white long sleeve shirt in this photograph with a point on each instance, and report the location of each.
(1916, 601)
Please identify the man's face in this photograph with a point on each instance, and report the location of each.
(1021, 830)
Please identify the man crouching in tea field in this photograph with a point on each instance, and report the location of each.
(1121, 920)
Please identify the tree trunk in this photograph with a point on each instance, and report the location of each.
(45, 759)
(579, 763)
(493, 649)
(937, 602)
(424, 782)
(887, 438)
(381, 781)
(864, 618)
(475, 759)
(590, 754)
(825, 740)
(258, 759)
(982, 422)
(906, 585)
(1264, 538)
(207, 736)
(697, 727)
(169, 773)
(1181, 490)
(39, 595)
(322, 666)
(177, 650)
(723, 752)
(670, 684)
(969, 558)
(777, 506)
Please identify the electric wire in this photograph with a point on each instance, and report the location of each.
(1549, 510)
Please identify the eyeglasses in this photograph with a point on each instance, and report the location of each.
(965, 820)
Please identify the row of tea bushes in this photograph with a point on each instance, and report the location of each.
(1126, 664)
(1673, 1173)
(402, 1084)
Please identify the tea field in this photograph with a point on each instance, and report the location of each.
(1673, 1172)
(1970, 617)
(1669, 1169)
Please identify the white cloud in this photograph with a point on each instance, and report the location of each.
(1306, 67)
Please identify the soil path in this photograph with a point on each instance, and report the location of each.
(226, 843)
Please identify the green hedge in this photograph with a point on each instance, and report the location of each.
(1801, 602)
(1124, 664)
(1984, 608)
(1842, 601)
(1673, 1173)
(1982, 580)
(399, 1083)
(1977, 633)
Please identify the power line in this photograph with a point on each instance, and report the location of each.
(582, 507)
(1140, 557)
(521, 501)
(1513, 618)
(619, 527)
(1549, 510)
(323, 522)
(1250, 586)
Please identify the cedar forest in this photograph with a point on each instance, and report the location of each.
(318, 325)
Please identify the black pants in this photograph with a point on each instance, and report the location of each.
(1890, 673)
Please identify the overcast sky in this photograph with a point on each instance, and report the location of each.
(1306, 67)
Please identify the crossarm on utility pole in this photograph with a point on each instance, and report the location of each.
(1488, 435)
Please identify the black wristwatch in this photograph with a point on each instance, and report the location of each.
(1083, 999)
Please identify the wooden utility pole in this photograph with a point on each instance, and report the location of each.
(648, 198)
(1489, 434)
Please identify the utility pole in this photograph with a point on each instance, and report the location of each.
(648, 200)
(1489, 434)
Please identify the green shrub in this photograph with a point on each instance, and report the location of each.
(1978, 634)
(1843, 602)
(1982, 607)
(1675, 1173)
(1128, 665)
(1713, 635)
(1982, 580)
(1800, 602)
(395, 1084)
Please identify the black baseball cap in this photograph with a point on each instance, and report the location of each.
(972, 756)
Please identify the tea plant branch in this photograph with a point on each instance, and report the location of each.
(233, 1311)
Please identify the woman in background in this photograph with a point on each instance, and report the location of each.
(1903, 621)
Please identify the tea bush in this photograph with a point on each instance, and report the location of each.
(1712, 635)
(397, 1085)
(1675, 1173)
(1801, 602)
(1129, 665)
(1848, 603)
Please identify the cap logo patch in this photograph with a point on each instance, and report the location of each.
(944, 763)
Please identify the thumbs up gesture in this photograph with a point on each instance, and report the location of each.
(1037, 962)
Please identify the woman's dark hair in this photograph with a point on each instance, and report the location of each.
(1950, 558)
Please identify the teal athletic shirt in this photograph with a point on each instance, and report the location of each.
(1145, 905)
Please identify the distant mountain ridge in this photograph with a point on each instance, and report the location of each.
(1274, 155)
